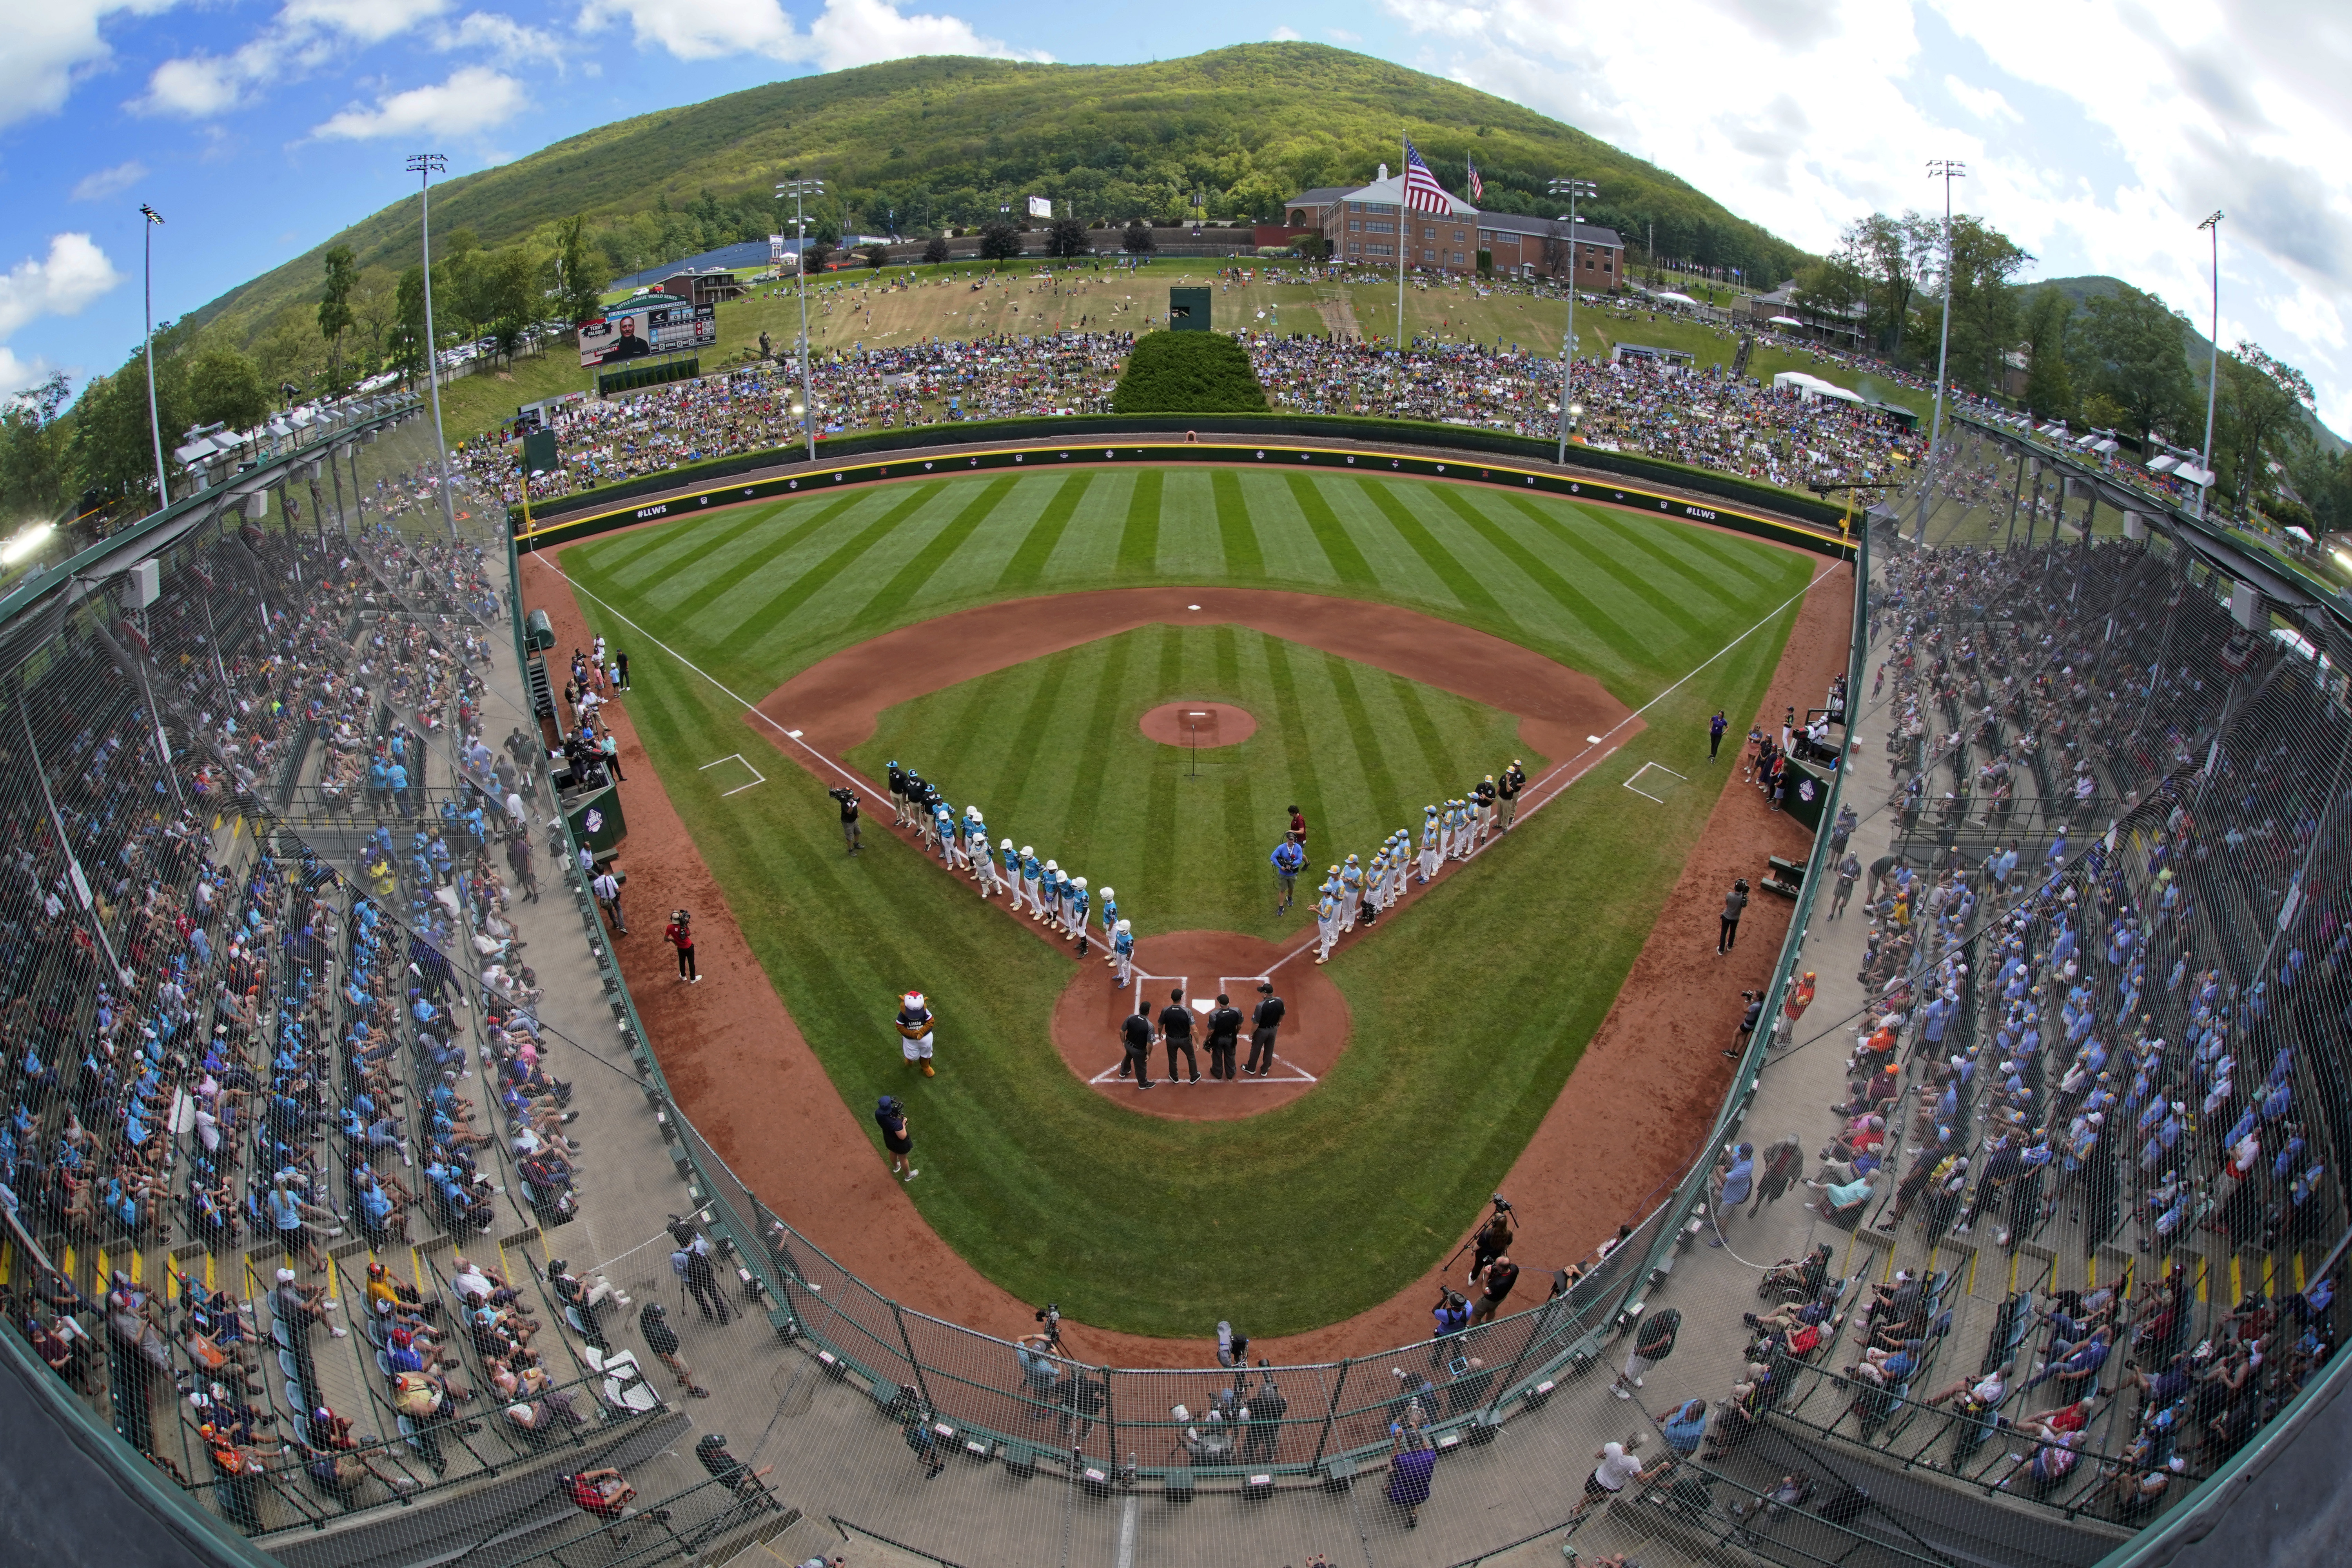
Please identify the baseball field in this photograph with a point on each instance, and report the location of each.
(970, 627)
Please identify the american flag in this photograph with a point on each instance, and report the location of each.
(1477, 185)
(1423, 194)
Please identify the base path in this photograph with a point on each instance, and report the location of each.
(1622, 1131)
(1203, 963)
(1203, 725)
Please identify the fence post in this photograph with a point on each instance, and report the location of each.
(1331, 1412)
(922, 1389)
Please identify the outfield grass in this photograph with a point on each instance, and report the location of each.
(1184, 838)
(1469, 1011)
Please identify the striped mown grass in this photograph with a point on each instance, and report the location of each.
(1469, 1011)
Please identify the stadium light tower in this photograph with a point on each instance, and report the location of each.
(156, 424)
(2212, 368)
(425, 165)
(1574, 190)
(799, 190)
(1946, 170)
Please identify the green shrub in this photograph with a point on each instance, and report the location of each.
(1188, 372)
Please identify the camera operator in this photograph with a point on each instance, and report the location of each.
(1264, 1412)
(1494, 1239)
(848, 799)
(1498, 1276)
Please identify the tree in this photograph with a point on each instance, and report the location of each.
(2049, 386)
(291, 353)
(1138, 240)
(998, 241)
(1890, 253)
(815, 255)
(1558, 253)
(1188, 372)
(225, 387)
(878, 255)
(376, 308)
(2259, 420)
(1068, 239)
(937, 251)
(112, 449)
(335, 310)
(579, 281)
(2135, 344)
(1833, 288)
(33, 449)
(1983, 303)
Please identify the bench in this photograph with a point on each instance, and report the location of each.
(1783, 876)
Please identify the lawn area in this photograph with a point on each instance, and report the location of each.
(884, 311)
(1359, 750)
(1461, 1041)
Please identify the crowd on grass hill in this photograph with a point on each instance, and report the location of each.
(1701, 418)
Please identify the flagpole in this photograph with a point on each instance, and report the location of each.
(1404, 182)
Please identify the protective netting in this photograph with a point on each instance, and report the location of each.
(533, 1317)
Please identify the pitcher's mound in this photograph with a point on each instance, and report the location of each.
(1204, 724)
(1314, 1026)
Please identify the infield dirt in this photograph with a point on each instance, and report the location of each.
(1622, 1131)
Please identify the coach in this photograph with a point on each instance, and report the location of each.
(1135, 1036)
(1176, 1028)
(1266, 1019)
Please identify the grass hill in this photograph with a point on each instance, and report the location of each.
(942, 141)
(2200, 347)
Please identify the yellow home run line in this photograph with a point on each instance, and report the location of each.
(883, 468)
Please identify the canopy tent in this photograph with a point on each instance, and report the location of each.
(1805, 385)
(1670, 297)
(2298, 534)
(1784, 322)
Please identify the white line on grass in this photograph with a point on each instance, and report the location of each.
(1535, 804)
(757, 776)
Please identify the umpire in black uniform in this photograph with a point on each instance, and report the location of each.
(1224, 1037)
(1176, 1028)
(1135, 1037)
(1267, 1020)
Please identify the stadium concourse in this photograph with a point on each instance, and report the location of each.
(1738, 426)
(289, 973)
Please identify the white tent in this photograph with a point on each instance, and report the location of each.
(1784, 322)
(2298, 534)
(1671, 298)
(1806, 385)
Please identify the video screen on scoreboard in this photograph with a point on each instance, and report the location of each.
(640, 328)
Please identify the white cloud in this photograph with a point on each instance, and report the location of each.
(304, 37)
(1341, 36)
(53, 44)
(473, 99)
(74, 273)
(488, 34)
(100, 183)
(17, 375)
(846, 33)
(369, 21)
(1285, 35)
(1984, 102)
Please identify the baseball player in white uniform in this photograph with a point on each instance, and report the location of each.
(1351, 890)
(975, 849)
(1049, 893)
(1122, 952)
(1327, 925)
(1400, 864)
(1431, 841)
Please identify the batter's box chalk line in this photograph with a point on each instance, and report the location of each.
(1643, 772)
(1292, 1072)
(757, 776)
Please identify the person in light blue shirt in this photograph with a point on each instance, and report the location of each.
(1289, 860)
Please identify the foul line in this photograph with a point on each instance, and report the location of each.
(855, 784)
(1535, 804)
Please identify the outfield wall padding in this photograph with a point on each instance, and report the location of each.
(1548, 481)
(1090, 428)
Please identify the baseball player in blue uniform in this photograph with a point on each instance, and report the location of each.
(1327, 925)
(1110, 917)
(975, 849)
(1011, 872)
(1432, 840)
(1030, 874)
(1122, 952)
(1400, 864)
(1078, 902)
(1351, 892)
(943, 828)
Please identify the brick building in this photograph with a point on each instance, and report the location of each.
(1366, 224)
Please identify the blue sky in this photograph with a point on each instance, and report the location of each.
(2097, 133)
